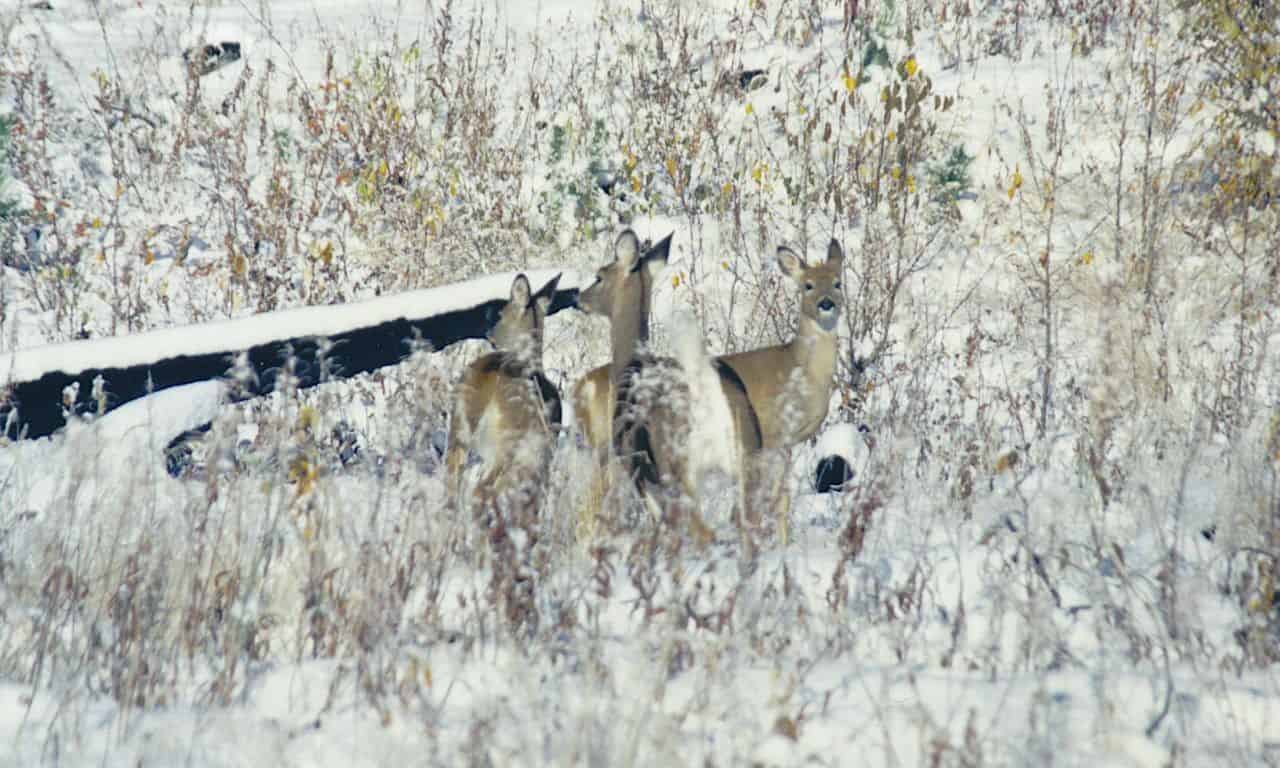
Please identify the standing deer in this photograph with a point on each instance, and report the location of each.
(788, 385)
(641, 405)
(505, 409)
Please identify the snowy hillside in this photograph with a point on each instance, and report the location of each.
(1057, 385)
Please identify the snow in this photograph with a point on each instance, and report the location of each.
(1099, 591)
(713, 441)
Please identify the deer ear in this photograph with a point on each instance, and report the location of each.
(626, 250)
(661, 251)
(835, 254)
(791, 263)
(546, 295)
(655, 259)
(520, 291)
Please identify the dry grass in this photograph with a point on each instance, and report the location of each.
(1068, 373)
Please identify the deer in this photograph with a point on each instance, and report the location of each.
(641, 408)
(505, 409)
(593, 395)
(788, 385)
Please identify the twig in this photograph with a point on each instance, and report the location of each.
(1168, 695)
(130, 113)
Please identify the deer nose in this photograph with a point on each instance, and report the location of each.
(826, 305)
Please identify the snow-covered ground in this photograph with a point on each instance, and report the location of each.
(1059, 545)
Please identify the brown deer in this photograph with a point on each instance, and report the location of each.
(640, 407)
(505, 409)
(788, 385)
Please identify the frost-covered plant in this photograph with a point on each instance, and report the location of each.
(9, 206)
(585, 188)
(950, 177)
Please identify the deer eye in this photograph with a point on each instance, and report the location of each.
(837, 285)
(808, 285)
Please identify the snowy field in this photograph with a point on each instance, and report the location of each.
(1058, 387)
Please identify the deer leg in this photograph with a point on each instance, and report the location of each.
(455, 460)
(784, 516)
(771, 492)
(597, 491)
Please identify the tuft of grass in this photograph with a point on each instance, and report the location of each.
(8, 206)
(950, 178)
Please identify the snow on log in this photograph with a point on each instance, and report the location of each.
(39, 385)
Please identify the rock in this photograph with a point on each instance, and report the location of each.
(202, 60)
(743, 80)
(833, 474)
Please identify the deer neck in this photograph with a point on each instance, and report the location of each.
(814, 351)
(629, 331)
(813, 360)
(524, 353)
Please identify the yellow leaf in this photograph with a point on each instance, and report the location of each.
(1006, 462)
(635, 183)
(96, 223)
(307, 417)
(910, 67)
(727, 189)
(750, 109)
(849, 83)
(675, 280)
(1086, 258)
(303, 473)
(671, 166)
(724, 265)
(1016, 183)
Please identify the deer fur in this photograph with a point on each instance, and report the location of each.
(505, 410)
(644, 411)
(788, 385)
